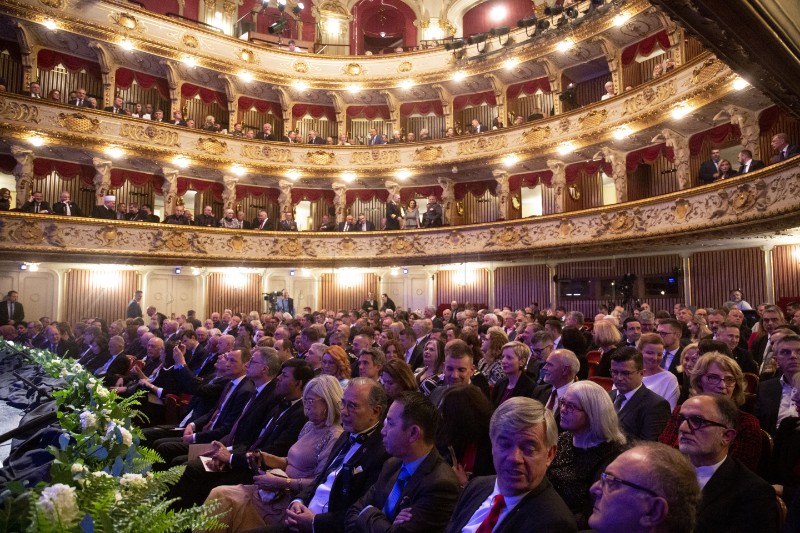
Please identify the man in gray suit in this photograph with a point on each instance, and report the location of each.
(643, 414)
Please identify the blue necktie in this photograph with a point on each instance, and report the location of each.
(397, 490)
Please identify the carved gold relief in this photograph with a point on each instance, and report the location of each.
(565, 228)
(705, 72)
(149, 134)
(212, 146)
(55, 4)
(53, 236)
(481, 144)
(428, 153)
(353, 69)
(375, 157)
(650, 97)
(320, 157)
(247, 55)
(177, 241)
(229, 8)
(78, 122)
(455, 239)
(405, 66)
(18, 111)
(300, 66)
(593, 119)
(274, 155)
(190, 41)
(564, 125)
(27, 232)
(107, 235)
(535, 135)
(682, 209)
(619, 222)
(400, 246)
(347, 245)
(124, 20)
(236, 243)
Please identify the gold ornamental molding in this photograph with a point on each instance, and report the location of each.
(320, 157)
(19, 111)
(127, 21)
(78, 122)
(709, 69)
(212, 146)
(353, 69)
(593, 119)
(373, 157)
(190, 41)
(650, 96)
(481, 145)
(536, 135)
(429, 153)
(267, 153)
(405, 66)
(149, 134)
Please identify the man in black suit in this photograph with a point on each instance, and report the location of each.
(353, 465)
(284, 304)
(62, 348)
(433, 215)
(158, 116)
(134, 309)
(207, 219)
(11, 311)
(118, 108)
(363, 224)
(519, 498)
(35, 204)
(709, 169)
(747, 163)
(733, 498)
(287, 224)
(422, 334)
(729, 334)
(416, 487)
(327, 224)
(393, 212)
(762, 348)
(773, 401)
(313, 138)
(80, 99)
(178, 217)
(642, 413)
(476, 126)
(370, 303)
(108, 210)
(558, 371)
(783, 150)
(266, 133)
(35, 90)
(262, 222)
(194, 352)
(65, 207)
(116, 365)
(650, 487)
(177, 119)
(670, 331)
(348, 224)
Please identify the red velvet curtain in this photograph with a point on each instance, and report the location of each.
(298, 195)
(477, 188)
(200, 186)
(253, 190)
(262, 106)
(462, 101)
(370, 112)
(208, 96)
(480, 18)
(529, 87)
(49, 59)
(409, 193)
(43, 167)
(316, 111)
(647, 155)
(422, 108)
(768, 118)
(645, 47)
(588, 168)
(716, 135)
(124, 78)
(530, 179)
(365, 195)
(120, 176)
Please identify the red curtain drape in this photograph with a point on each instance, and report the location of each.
(588, 168)
(43, 167)
(365, 195)
(648, 154)
(208, 96)
(120, 176)
(262, 106)
(529, 87)
(409, 193)
(422, 108)
(477, 188)
(124, 78)
(530, 179)
(370, 112)
(316, 111)
(298, 195)
(645, 47)
(253, 190)
(49, 59)
(716, 135)
(200, 186)
(464, 100)
(768, 118)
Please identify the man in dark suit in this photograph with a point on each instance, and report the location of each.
(118, 108)
(262, 222)
(207, 219)
(116, 365)
(327, 224)
(729, 333)
(733, 498)
(374, 137)
(134, 309)
(177, 119)
(348, 224)
(459, 368)
(642, 413)
(158, 116)
(35, 204)
(783, 150)
(670, 331)
(393, 212)
(108, 210)
(65, 207)
(287, 224)
(11, 311)
(416, 487)
(747, 163)
(266, 133)
(178, 217)
(433, 215)
(313, 138)
(353, 465)
(80, 99)
(519, 497)
(773, 400)
(363, 224)
(771, 318)
(62, 348)
(558, 371)
(422, 330)
(709, 169)
(284, 304)
(35, 90)
(476, 126)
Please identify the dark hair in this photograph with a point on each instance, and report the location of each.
(629, 320)
(461, 431)
(710, 345)
(301, 370)
(572, 339)
(420, 411)
(672, 323)
(189, 334)
(311, 333)
(401, 373)
(554, 323)
(623, 354)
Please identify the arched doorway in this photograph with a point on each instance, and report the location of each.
(381, 26)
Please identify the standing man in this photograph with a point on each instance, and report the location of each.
(393, 212)
(65, 207)
(710, 169)
(11, 311)
(284, 304)
(135, 306)
(433, 216)
(370, 303)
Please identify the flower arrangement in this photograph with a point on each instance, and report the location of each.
(100, 479)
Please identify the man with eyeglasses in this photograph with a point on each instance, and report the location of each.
(559, 373)
(650, 487)
(670, 330)
(733, 498)
(541, 344)
(774, 398)
(729, 334)
(643, 414)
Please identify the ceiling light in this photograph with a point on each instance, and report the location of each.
(510, 160)
(181, 161)
(300, 85)
(239, 170)
(681, 110)
(511, 63)
(622, 132)
(126, 44)
(293, 174)
(246, 76)
(407, 84)
(190, 61)
(332, 26)
(565, 148)
(564, 45)
(459, 75)
(621, 19)
(354, 88)
(402, 174)
(36, 140)
(50, 24)
(348, 177)
(114, 152)
(498, 13)
(178, 270)
(740, 83)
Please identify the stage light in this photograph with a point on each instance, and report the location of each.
(298, 8)
(454, 44)
(543, 25)
(281, 5)
(553, 10)
(477, 38)
(502, 30)
(527, 22)
(277, 27)
(572, 12)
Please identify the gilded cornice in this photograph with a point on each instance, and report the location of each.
(768, 199)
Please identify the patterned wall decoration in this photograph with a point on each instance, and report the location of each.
(715, 274)
(520, 286)
(464, 285)
(238, 291)
(98, 293)
(346, 290)
(786, 272)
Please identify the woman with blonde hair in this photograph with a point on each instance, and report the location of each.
(606, 337)
(492, 343)
(698, 328)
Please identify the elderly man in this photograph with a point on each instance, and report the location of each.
(118, 108)
(36, 204)
(266, 133)
(733, 497)
(207, 218)
(650, 488)
(374, 137)
(433, 216)
(108, 210)
(393, 212)
(783, 150)
(729, 333)
(559, 373)
(65, 207)
(178, 217)
(519, 497)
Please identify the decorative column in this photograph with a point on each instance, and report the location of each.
(499, 89)
(394, 110)
(340, 108)
(23, 172)
(286, 105)
(552, 284)
(108, 70)
(559, 181)
(174, 82)
(229, 194)
(233, 99)
(619, 172)
(102, 179)
(686, 266)
(554, 77)
(769, 273)
(170, 190)
(28, 55)
(447, 104)
(680, 147)
(340, 201)
(285, 197)
(502, 192)
(448, 198)
(748, 126)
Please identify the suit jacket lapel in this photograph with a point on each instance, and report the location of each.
(717, 486)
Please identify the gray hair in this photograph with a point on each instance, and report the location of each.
(377, 394)
(600, 413)
(329, 389)
(568, 358)
(520, 413)
(271, 360)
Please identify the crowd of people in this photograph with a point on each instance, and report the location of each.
(380, 418)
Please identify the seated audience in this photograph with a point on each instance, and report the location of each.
(514, 356)
(642, 413)
(656, 378)
(397, 378)
(606, 337)
(490, 365)
(785, 461)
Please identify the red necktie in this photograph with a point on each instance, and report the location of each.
(552, 402)
(491, 519)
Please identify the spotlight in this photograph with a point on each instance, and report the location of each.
(177, 270)
(281, 5)
(454, 44)
(502, 30)
(553, 10)
(298, 8)
(477, 38)
(543, 25)
(277, 27)
(572, 12)
(527, 22)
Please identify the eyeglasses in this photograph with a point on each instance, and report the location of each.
(623, 373)
(696, 422)
(714, 379)
(309, 402)
(350, 406)
(607, 479)
(664, 333)
(569, 407)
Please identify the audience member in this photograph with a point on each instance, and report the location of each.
(642, 413)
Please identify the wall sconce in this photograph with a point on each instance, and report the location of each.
(23, 266)
(405, 270)
(177, 270)
(291, 272)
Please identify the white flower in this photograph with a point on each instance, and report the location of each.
(77, 468)
(59, 504)
(133, 481)
(127, 438)
(117, 496)
(88, 420)
(64, 373)
(101, 392)
(76, 368)
(101, 473)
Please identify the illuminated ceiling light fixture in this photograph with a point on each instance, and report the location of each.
(36, 140)
(498, 13)
(459, 75)
(403, 174)
(126, 44)
(298, 8)
(293, 174)
(245, 76)
(622, 132)
(407, 84)
(50, 24)
(565, 148)
(348, 177)
(300, 85)
(564, 45)
(114, 152)
(681, 110)
(181, 161)
(740, 83)
(510, 160)
(239, 170)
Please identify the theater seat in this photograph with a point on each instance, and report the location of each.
(606, 383)
(173, 407)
